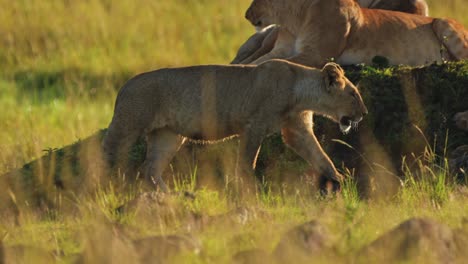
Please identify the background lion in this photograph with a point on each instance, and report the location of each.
(209, 103)
(313, 32)
(264, 40)
(418, 7)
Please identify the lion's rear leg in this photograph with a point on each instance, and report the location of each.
(163, 144)
(249, 147)
(453, 36)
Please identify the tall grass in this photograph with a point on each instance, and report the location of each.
(456, 9)
(107, 36)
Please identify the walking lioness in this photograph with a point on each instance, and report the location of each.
(209, 103)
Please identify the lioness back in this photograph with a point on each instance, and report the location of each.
(390, 32)
(214, 99)
(418, 7)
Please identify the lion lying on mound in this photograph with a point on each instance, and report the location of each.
(210, 103)
(264, 40)
(314, 31)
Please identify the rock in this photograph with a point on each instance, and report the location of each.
(252, 256)
(106, 242)
(458, 162)
(461, 120)
(417, 240)
(303, 243)
(158, 249)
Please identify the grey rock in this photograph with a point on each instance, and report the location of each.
(416, 240)
(303, 244)
(158, 249)
(252, 256)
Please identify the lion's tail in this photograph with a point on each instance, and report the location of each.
(453, 36)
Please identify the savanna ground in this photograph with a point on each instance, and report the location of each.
(61, 64)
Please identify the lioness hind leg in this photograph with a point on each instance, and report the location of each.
(249, 147)
(298, 134)
(453, 36)
(163, 144)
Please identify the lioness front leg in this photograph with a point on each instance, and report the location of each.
(284, 47)
(257, 45)
(298, 133)
(267, 46)
(162, 145)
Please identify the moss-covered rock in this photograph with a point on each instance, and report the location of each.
(410, 109)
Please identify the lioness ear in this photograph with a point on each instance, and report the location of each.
(332, 73)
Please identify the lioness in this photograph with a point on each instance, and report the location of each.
(264, 40)
(209, 103)
(314, 31)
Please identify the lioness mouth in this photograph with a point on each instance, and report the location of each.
(345, 124)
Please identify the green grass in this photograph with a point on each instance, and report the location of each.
(61, 63)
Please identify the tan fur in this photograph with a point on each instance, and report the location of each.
(418, 7)
(319, 30)
(451, 32)
(210, 103)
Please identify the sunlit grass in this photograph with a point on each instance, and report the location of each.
(107, 36)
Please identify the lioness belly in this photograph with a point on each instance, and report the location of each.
(196, 122)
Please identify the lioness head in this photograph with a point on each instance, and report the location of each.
(344, 100)
(260, 14)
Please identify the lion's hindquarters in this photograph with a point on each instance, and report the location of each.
(453, 36)
(163, 144)
(132, 114)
